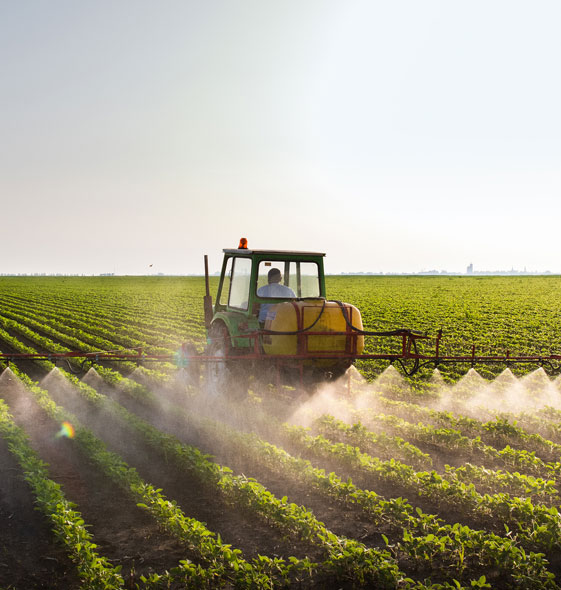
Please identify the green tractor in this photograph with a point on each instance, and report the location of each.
(271, 317)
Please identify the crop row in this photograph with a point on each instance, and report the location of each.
(452, 441)
(513, 482)
(503, 430)
(77, 322)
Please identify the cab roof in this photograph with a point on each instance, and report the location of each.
(271, 253)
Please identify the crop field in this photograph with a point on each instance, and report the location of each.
(115, 475)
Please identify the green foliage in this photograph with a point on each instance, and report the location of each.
(504, 478)
(520, 314)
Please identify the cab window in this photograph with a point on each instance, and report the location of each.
(235, 289)
(301, 277)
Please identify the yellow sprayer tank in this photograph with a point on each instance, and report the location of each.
(308, 316)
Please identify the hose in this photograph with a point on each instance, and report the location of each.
(296, 332)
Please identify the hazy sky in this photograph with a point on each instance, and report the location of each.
(395, 136)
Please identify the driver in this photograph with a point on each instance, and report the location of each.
(273, 289)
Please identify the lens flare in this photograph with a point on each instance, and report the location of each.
(66, 430)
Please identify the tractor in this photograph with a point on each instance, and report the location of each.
(272, 316)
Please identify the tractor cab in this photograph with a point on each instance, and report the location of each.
(252, 282)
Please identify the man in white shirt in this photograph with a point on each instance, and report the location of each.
(273, 289)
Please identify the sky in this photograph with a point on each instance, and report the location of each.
(397, 136)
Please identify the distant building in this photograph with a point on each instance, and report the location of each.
(469, 269)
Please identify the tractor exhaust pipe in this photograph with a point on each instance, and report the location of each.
(207, 300)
